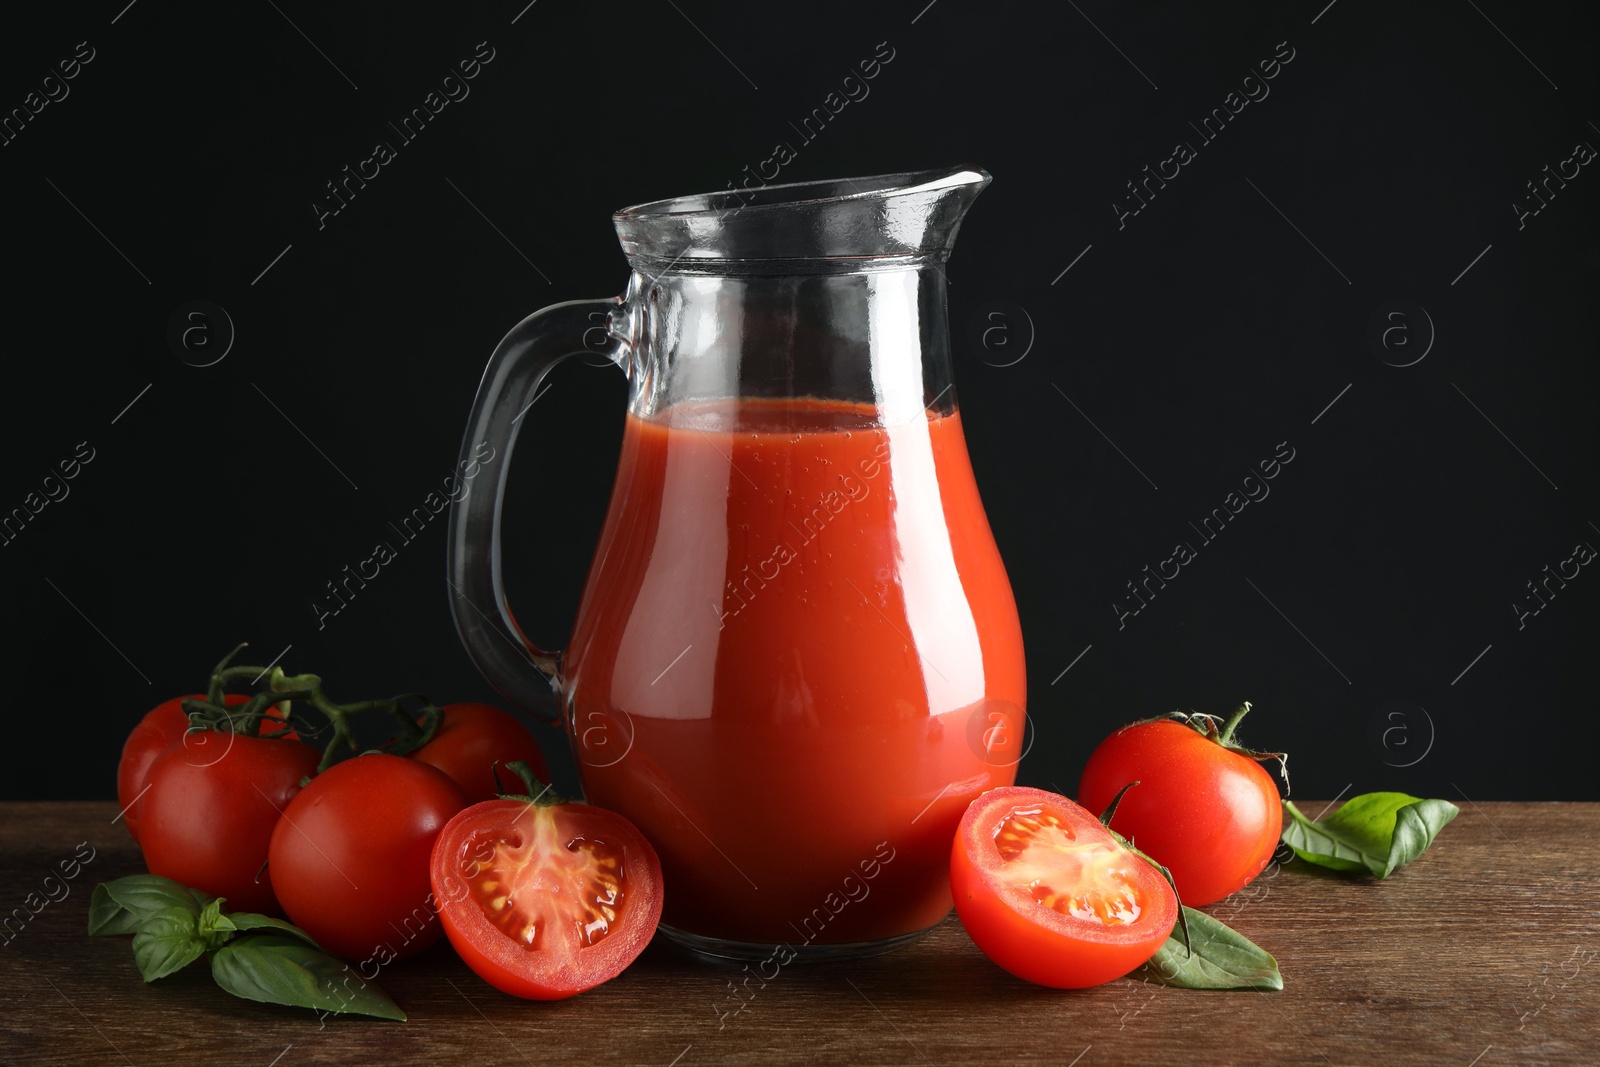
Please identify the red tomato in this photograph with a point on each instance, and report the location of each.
(349, 858)
(471, 739)
(546, 901)
(1212, 816)
(161, 726)
(208, 814)
(1049, 895)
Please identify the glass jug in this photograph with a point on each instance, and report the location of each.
(797, 657)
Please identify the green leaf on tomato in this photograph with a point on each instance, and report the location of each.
(278, 969)
(1221, 958)
(1375, 833)
(168, 940)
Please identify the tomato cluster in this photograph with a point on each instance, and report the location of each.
(205, 803)
(542, 898)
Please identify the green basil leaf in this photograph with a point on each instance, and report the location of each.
(168, 940)
(107, 918)
(1415, 827)
(1375, 833)
(249, 920)
(145, 894)
(214, 927)
(1222, 958)
(1314, 844)
(276, 969)
(1367, 823)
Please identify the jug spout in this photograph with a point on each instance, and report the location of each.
(898, 218)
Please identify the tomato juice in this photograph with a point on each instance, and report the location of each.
(796, 660)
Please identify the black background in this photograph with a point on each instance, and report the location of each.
(1365, 606)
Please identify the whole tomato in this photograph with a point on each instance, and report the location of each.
(162, 726)
(471, 739)
(1204, 808)
(349, 859)
(211, 804)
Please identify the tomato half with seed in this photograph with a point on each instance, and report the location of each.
(1047, 893)
(471, 739)
(1207, 811)
(545, 901)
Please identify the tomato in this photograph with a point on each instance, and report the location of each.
(544, 902)
(349, 858)
(1052, 897)
(208, 814)
(161, 726)
(1210, 814)
(471, 738)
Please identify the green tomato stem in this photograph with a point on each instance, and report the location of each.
(1226, 737)
(307, 688)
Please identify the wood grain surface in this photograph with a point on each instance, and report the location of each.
(1484, 952)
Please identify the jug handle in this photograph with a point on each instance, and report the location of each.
(524, 673)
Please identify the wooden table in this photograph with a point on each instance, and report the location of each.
(1484, 952)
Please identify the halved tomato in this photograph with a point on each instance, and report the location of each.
(545, 901)
(1047, 893)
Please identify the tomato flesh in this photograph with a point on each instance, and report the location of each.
(1090, 880)
(548, 895)
(545, 902)
(1048, 894)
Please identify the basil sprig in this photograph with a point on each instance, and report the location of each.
(1375, 833)
(253, 956)
(1217, 957)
